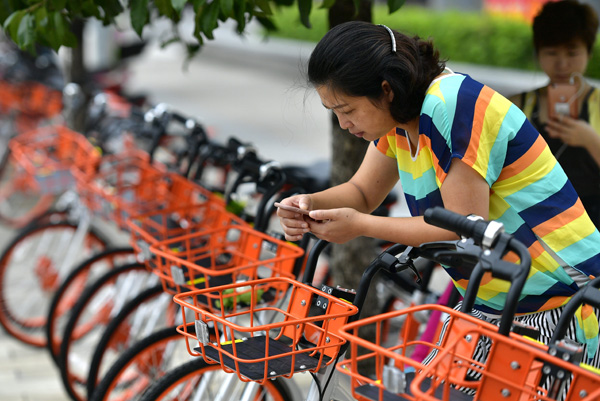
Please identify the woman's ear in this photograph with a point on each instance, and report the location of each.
(388, 93)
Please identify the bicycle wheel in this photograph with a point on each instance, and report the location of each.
(20, 203)
(99, 303)
(197, 380)
(150, 311)
(31, 269)
(141, 365)
(71, 289)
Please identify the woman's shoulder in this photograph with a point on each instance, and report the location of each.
(525, 100)
(594, 93)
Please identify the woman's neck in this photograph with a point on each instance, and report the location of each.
(412, 130)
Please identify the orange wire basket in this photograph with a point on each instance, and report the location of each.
(149, 228)
(31, 98)
(51, 157)
(222, 255)
(516, 369)
(302, 333)
(396, 359)
(128, 184)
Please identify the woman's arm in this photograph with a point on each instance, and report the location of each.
(366, 190)
(463, 191)
(576, 133)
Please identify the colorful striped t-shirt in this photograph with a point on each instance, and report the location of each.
(529, 191)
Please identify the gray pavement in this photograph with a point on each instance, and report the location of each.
(248, 88)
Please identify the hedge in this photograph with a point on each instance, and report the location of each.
(468, 37)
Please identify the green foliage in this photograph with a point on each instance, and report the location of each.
(460, 36)
(48, 22)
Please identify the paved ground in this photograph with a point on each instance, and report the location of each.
(245, 88)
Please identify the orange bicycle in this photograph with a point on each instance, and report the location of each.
(516, 366)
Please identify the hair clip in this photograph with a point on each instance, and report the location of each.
(392, 36)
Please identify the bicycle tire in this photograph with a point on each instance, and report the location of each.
(275, 390)
(30, 273)
(141, 364)
(125, 329)
(99, 303)
(73, 286)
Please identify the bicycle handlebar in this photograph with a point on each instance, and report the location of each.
(483, 232)
(589, 295)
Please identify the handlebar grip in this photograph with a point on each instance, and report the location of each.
(462, 225)
(233, 143)
(178, 117)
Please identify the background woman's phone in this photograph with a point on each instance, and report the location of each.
(562, 100)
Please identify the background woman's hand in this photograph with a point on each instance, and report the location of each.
(294, 224)
(570, 131)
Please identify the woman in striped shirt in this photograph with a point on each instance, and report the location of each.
(452, 142)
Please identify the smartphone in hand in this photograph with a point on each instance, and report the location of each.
(562, 100)
(291, 208)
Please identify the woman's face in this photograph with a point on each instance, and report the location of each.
(359, 115)
(562, 62)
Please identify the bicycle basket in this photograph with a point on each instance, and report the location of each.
(149, 228)
(516, 369)
(129, 185)
(32, 98)
(52, 156)
(396, 357)
(257, 349)
(221, 256)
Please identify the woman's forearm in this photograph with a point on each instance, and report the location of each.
(411, 231)
(343, 195)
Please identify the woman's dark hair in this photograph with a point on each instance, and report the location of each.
(354, 58)
(562, 22)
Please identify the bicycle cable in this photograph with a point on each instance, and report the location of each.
(319, 389)
(337, 358)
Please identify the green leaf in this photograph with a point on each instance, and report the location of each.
(264, 6)
(178, 5)
(90, 9)
(305, 6)
(62, 28)
(356, 7)
(267, 23)
(327, 4)
(139, 15)
(41, 19)
(209, 18)
(394, 5)
(227, 7)
(164, 8)
(57, 5)
(26, 32)
(11, 24)
(240, 14)
(196, 4)
(75, 7)
(112, 8)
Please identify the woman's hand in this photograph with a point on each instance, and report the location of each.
(337, 225)
(294, 224)
(570, 131)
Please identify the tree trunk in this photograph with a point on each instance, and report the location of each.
(76, 72)
(349, 260)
